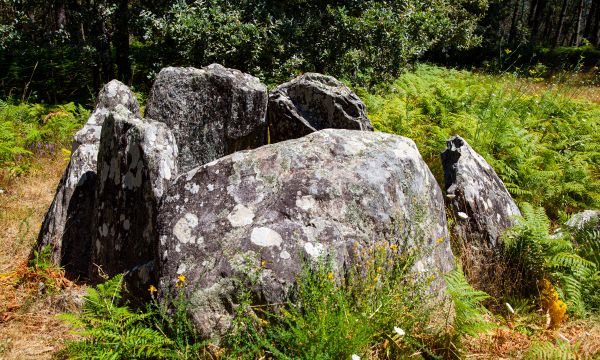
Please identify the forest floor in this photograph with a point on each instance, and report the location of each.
(29, 327)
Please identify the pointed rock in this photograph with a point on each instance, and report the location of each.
(313, 102)
(482, 209)
(480, 202)
(136, 161)
(213, 111)
(68, 221)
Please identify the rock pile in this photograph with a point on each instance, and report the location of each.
(193, 188)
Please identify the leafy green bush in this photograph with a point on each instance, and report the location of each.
(545, 147)
(362, 41)
(35, 129)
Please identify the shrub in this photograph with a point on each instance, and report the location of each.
(383, 309)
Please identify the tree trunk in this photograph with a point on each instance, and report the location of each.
(579, 24)
(587, 31)
(513, 24)
(121, 41)
(595, 27)
(561, 23)
(540, 5)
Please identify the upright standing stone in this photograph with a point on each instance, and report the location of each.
(482, 209)
(213, 111)
(313, 102)
(136, 161)
(68, 222)
(482, 205)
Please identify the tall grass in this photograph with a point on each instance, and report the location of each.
(544, 145)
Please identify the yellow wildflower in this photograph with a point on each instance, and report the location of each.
(330, 276)
(152, 289)
(180, 280)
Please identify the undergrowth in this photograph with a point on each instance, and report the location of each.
(382, 310)
(544, 146)
(28, 130)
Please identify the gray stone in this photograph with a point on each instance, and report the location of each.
(478, 199)
(588, 219)
(213, 111)
(313, 102)
(256, 217)
(69, 219)
(136, 161)
(481, 208)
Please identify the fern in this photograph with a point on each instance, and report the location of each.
(548, 351)
(113, 331)
(469, 311)
(534, 255)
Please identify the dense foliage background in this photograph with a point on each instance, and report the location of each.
(56, 51)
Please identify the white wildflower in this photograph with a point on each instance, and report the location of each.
(399, 331)
(355, 357)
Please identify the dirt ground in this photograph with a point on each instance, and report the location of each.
(29, 327)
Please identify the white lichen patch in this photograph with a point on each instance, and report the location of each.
(210, 187)
(354, 147)
(285, 255)
(419, 266)
(238, 156)
(240, 216)
(305, 202)
(191, 174)
(263, 236)
(192, 187)
(183, 228)
(314, 250)
(181, 269)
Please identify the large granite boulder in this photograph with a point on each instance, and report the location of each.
(481, 204)
(136, 162)
(313, 102)
(481, 208)
(256, 217)
(67, 224)
(213, 111)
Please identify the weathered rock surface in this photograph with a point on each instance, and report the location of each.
(136, 161)
(256, 216)
(213, 111)
(313, 102)
(585, 220)
(67, 224)
(478, 199)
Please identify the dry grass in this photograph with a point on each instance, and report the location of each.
(576, 88)
(29, 328)
(507, 342)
